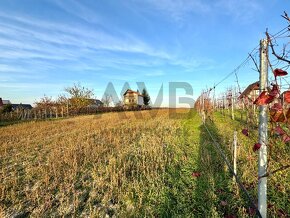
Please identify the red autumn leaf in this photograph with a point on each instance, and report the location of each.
(264, 99)
(277, 115)
(245, 132)
(288, 114)
(286, 138)
(279, 131)
(256, 147)
(195, 174)
(287, 96)
(274, 91)
(277, 106)
(282, 117)
(280, 72)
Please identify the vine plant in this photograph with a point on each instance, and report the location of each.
(277, 101)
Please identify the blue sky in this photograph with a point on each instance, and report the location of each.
(47, 45)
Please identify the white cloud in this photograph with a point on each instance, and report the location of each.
(32, 38)
(45, 45)
(179, 10)
(79, 10)
(243, 11)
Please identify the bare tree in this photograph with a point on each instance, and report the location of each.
(78, 97)
(45, 103)
(107, 100)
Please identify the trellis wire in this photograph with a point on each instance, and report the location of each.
(238, 181)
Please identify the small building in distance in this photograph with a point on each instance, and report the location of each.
(133, 99)
(95, 103)
(14, 106)
(250, 93)
(21, 106)
(4, 102)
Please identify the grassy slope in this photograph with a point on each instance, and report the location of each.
(214, 194)
(89, 166)
(278, 184)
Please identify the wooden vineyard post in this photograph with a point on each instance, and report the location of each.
(223, 106)
(263, 129)
(235, 143)
(203, 111)
(232, 102)
(214, 102)
(67, 110)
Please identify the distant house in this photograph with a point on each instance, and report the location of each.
(250, 93)
(4, 102)
(95, 103)
(133, 99)
(21, 106)
(15, 106)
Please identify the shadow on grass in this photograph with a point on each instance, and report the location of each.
(188, 195)
(178, 198)
(213, 194)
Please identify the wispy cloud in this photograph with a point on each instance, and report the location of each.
(78, 9)
(179, 10)
(243, 11)
(44, 49)
(24, 37)
(27, 38)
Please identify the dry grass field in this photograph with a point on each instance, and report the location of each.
(139, 166)
(97, 165)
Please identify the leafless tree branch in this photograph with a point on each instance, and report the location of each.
(256, 65)
(273, 50)
(285, 16)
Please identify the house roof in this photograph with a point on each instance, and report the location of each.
(95, 103)
(6, 102)
(24, 106)
(130, 91)
(98, 101)
(251, 87)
